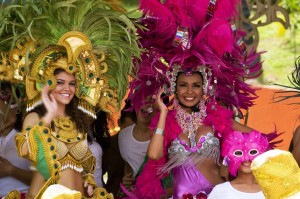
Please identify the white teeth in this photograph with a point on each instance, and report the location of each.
(189, 98)
(65, 95)
(150, 110)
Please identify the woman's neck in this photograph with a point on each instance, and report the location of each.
(61, 110)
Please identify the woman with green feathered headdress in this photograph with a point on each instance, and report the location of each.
(75, 58)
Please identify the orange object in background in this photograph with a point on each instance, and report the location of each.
(266, 115)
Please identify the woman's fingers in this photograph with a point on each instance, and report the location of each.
(45, 92)
(90, 190)
(52, 97)
(158, 101)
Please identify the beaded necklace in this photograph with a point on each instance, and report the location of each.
(189, 123)
(66, 131)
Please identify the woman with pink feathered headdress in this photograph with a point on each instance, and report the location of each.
(195, 53)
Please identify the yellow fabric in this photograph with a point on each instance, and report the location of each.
(278, 176)
(40, 148)
(55, 153)
(13, 195)
(78, 150)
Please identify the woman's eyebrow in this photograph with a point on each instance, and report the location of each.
(60, 79)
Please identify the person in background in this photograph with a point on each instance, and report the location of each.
(134, 140)
(15, 173)
(295, 145)
(293, 92)
(113, 163)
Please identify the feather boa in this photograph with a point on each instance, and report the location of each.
(219, 118)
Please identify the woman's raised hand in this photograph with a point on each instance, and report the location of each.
(159, 102)
(50, 104)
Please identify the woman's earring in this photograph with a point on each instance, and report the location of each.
(202, 108)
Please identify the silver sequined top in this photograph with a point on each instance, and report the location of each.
(180, 153)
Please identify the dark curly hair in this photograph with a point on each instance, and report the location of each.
(100, 131)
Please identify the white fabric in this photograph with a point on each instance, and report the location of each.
(8, 151)
(132, 151)
(60, 191)
(97, 152)
(227, 191)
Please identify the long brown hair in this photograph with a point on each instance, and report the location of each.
(82, 121)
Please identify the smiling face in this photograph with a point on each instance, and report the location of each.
(189, 90)
(242, 148)
(65, 87)
(147, 111)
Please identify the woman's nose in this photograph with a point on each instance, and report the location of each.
(66, 87)
(189, 89)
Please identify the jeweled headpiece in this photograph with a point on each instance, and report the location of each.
(199, 36)
(94, 40)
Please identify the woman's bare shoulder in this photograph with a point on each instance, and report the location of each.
(30, 120)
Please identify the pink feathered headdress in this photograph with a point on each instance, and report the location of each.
(147, 82)
(199, 35)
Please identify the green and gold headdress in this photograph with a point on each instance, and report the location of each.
(96, 37)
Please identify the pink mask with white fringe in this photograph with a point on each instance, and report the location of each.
(239, 147)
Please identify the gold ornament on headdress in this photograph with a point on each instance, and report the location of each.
(74, 55)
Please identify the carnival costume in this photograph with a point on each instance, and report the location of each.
(94, 41)
(238, 147)
(185, 37)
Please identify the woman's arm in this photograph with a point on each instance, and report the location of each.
(240, 127)
(155, 149)
(128, 179)
(8, 169)
(30, 120)
(296, 145)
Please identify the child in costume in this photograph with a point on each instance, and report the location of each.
(75, 58)
(239, 149)
(15, 171)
